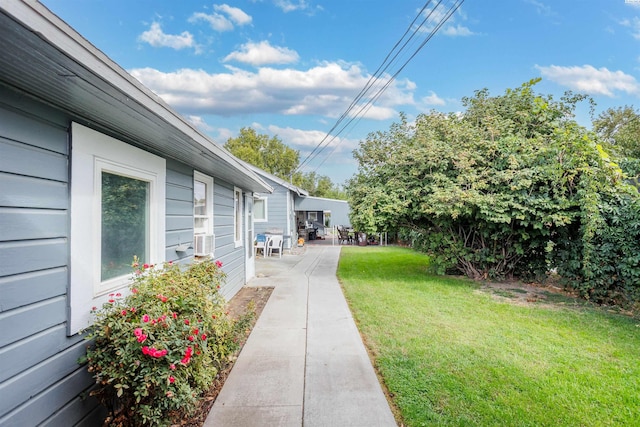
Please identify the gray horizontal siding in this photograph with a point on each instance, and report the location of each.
(32, 255)
(19, 323)
(40, 373)
(44, 372)
(28, 224)
(179, 211)
(23, 289)
(232, 257)
(40, 379)
(30, 192)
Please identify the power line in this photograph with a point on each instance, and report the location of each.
(377, 76)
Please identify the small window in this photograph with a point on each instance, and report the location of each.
(237, 216)
(313, 216)
(202, 204)
(260, 209)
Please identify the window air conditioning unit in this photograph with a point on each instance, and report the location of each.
(203, 244)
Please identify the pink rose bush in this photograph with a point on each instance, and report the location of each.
(155, 350)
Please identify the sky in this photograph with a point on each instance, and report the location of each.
(292, 68)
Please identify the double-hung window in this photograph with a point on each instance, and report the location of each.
(117, 212)
(237, 216)
(260, 209)
(202, 203)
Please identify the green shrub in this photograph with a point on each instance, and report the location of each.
(157, 349)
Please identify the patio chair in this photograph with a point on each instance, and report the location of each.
(344, 236)
(275, 244)
(262, 240)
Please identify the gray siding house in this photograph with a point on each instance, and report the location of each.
(276, 210)
(74, 126)
(328, 212)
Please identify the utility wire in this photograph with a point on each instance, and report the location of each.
(377, 76)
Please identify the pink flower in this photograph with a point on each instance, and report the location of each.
(140, 335)
(111, 295)
(219, 264)
(94, 308)
(161, 297)
(169, 394)
(153, 352)
(195, 331)
(118, 294)
(172, 367)
(146, 318)
(171, 379)
(175, 315)
(134, 290)
(123, 312)
(190, 338)
(132, 309)
(204, 337)
(145, 266)
(112, 301)
(186, 321)
(187, 356)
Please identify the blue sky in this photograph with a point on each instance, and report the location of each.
(291, 68)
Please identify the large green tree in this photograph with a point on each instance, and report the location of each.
(269, 154)
(272, 155)
(513, 186)
(620, 130)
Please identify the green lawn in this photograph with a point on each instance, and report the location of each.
(452, 355)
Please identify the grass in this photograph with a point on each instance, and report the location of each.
(452, 356)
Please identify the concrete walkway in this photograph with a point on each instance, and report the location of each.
(304, 363)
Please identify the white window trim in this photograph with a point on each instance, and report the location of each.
(266, 210)
(237, 216)
(93, 152)
(199, 176)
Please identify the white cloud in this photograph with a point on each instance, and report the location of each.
(591, 80)
(450, 28)
(262, 53)
(157, 38)
(290, 6)
(219, 22)
(542, 8)
(238, 16)
(433, 99)
(304, 139)
(326, 90)
(199, 122)
(633, 25)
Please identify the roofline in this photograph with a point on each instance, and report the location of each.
(49, 27)
(298, 190)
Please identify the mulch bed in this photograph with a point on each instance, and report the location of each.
(249, 298)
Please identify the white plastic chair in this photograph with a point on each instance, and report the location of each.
(275, 243)
(262, 242)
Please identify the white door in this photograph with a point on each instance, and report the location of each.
(250, 269)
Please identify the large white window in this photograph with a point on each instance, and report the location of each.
(202, 204)
(237, 216)
(260, 209)
(117, 212)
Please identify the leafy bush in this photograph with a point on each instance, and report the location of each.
(511, 187)
(157, 349)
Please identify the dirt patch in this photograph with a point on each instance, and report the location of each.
(531, 294)
(247, 300)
